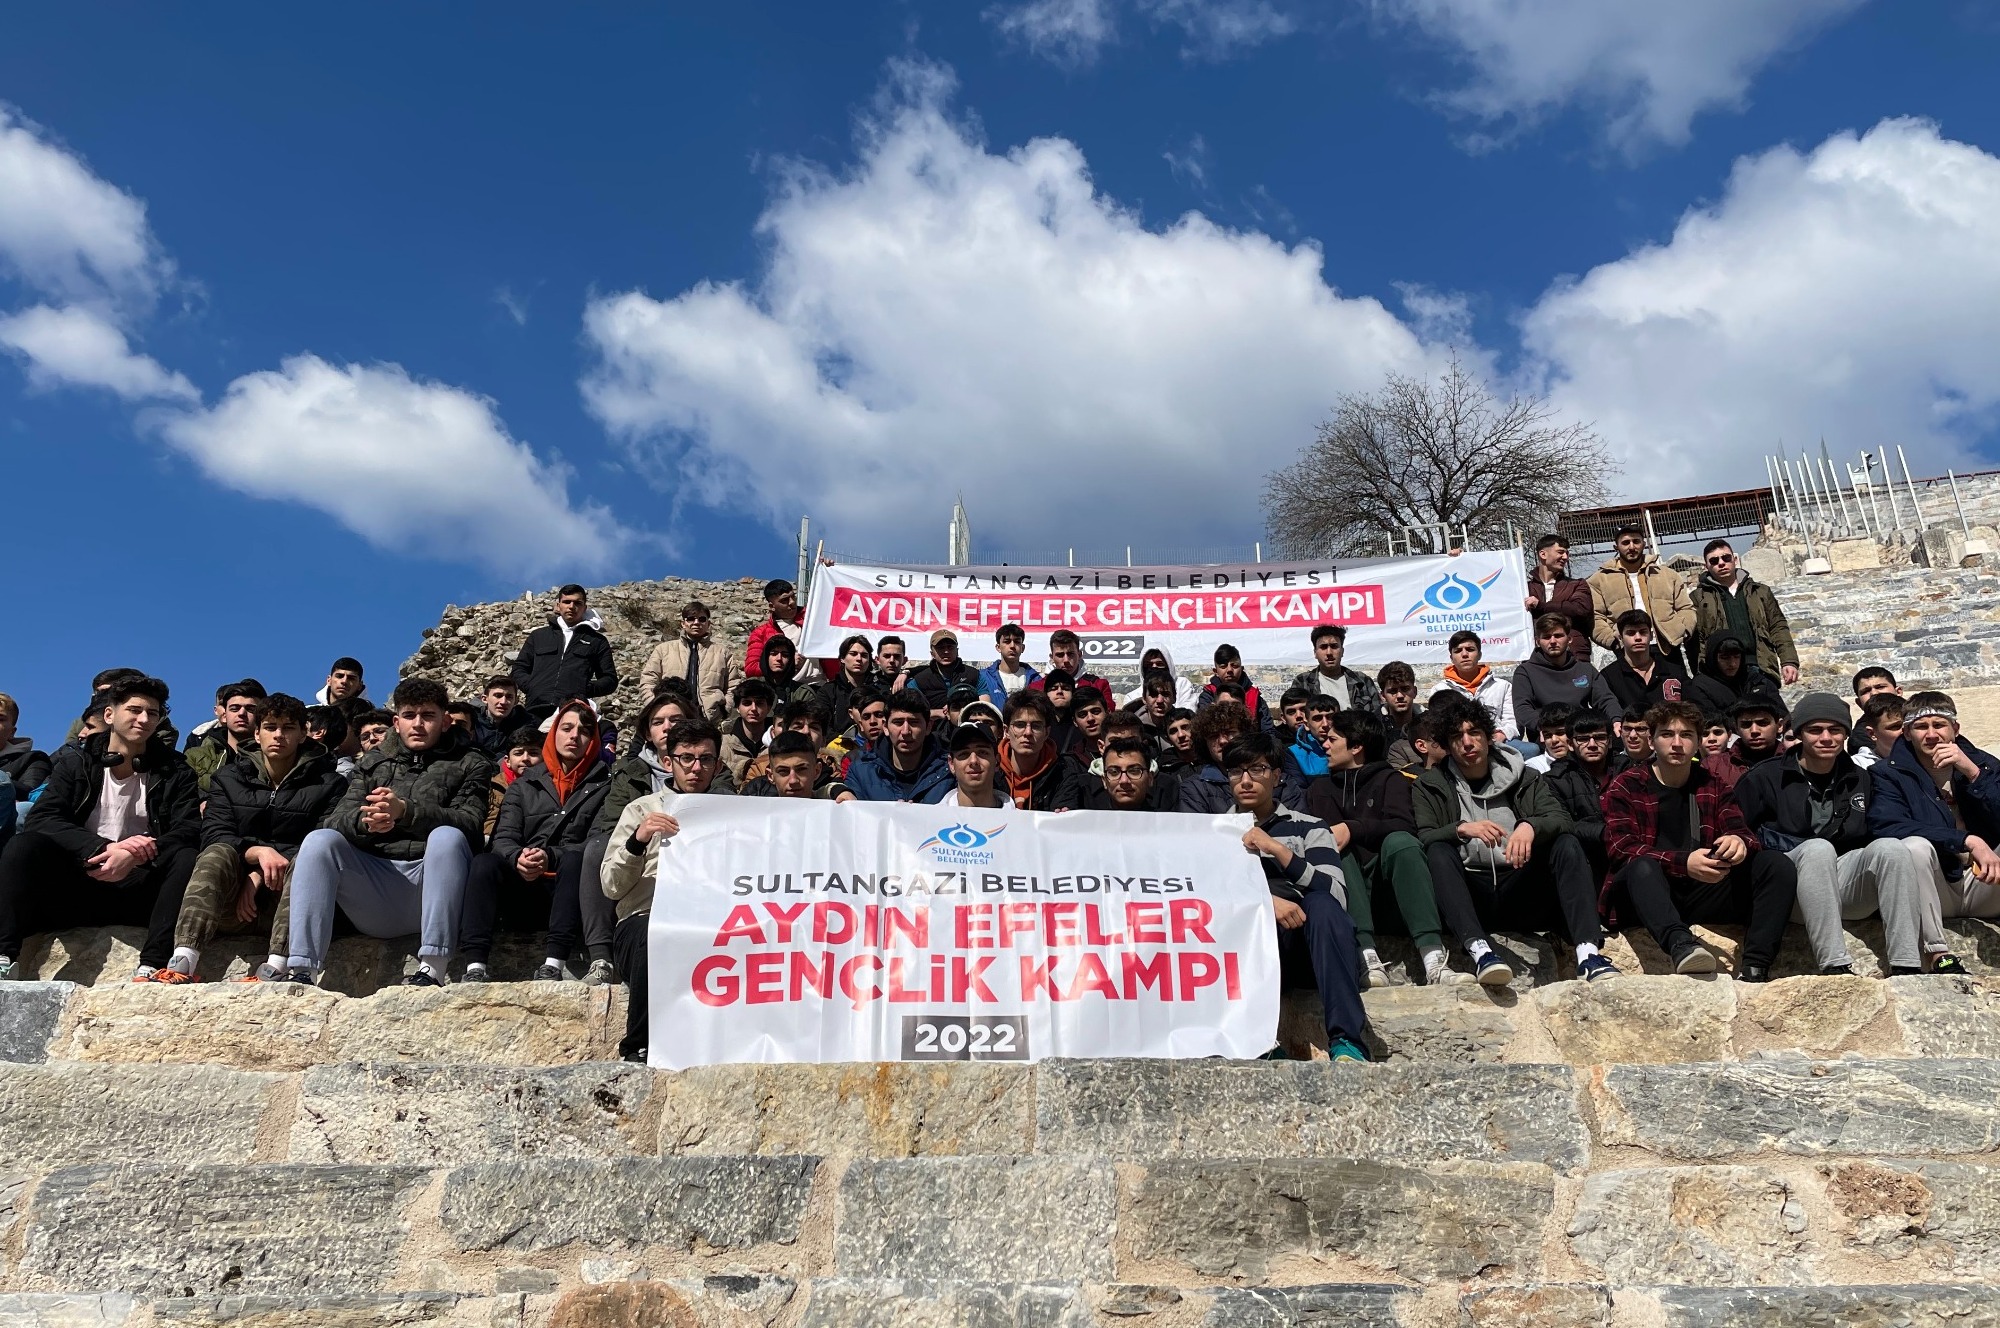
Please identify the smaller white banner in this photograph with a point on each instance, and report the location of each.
(786, 930)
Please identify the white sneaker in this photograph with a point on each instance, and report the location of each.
(1438, 970)
(1377, 972)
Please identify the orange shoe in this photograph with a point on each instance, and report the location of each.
(173, 977)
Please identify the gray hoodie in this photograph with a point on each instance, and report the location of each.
(1488, 805)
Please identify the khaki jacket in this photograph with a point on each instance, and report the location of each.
(630, 877)
(1666, 600)
(719, 672)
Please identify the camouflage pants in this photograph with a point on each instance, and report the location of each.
(209, 908)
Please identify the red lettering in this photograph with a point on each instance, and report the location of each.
(742, 921)
(914, 927)
(765, 974)
(1091, 977)
(1190, 919)
(968, 977)
(972, 927)
(1059, 924)
(784, 917)
(714, 982)
(825, 914)
(852, 990)
(806, 974)
(1198, 970)
(1093, 928)
(1147, 923)
(1016, 920)
(1157, 972)
(1038, 977)
(899, 992)
(1232, 977)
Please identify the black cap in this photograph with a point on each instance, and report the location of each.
(967, 735)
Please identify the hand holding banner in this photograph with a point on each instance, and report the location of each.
(811, 931)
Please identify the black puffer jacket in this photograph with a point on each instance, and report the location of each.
(444, 785)
(244, 811)
(76, 781)
(1373, 800)
(549, 675)
(531, 816)
(28, 768)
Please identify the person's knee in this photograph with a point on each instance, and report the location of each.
(447, 839)
(1924, 853)
(319, 849)
(1566, 852)
(1643, 872)
(1442, 857)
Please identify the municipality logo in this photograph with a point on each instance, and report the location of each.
(962, 846)
(1452, 594)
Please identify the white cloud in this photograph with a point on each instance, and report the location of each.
(411, 466)
(74, 347)
(1074, 32)
(1067, 31)
(1649, 65)
(1851, 292)
(66, 232)
(946, 318)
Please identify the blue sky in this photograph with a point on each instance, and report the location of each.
(312, 322)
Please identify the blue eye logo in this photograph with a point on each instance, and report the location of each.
(1453, 594)
(962, 838)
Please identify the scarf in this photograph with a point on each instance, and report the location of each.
(1021, 783)
(1477, 680)
(567, 780)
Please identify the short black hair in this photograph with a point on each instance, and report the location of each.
(1295, 696)
(1320, 701)
(1227, 654)
(1873, 671)
(1628, 528)
(662, 697)
(420, 692)
(1634, 618)
(909, 701)
(348, 662)
(1159, 683)
(1014, 630)
(1250, 748)
(279, 707)
(465, 708)
(864, 697)
(329, 720)
(1588, 719)
(1557, 718)
(249, 687)
(1029, 699)
(691, 731)
(811, 711)
(1129, 747)
(694, 608)
(1460, 638)
(755, 689)
(375, 716)
(572, 589)
(1124, 721)
(793, 744)
(676, 687)
(888, 641)
(1366, 732)
(1396, 674)
(123, 690)
(1717, 543)
(1334, 630)
(1550, 541)
(1086, 697)
(497, 680)
(1063, 636)
(773, 589)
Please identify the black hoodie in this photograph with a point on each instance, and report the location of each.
(1373, 800)
(1540, 682)
(1716, 693)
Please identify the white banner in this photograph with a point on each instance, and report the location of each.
(1394, 608)
(789, 930)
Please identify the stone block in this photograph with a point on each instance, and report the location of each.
(84, 955)
(977, 1219)
(1813, 1014)
(67, 1114)
(1409, 1112)
(261, 1026)
(1854, 555)
(111, 1309)
(1234, 1218)
(1334, 1305)
(624, 1305)
(880, 1110)
(188, 1231)
(1947, 1016)
(1639, 1019)
(681, 1202)
(494, 1023)
(1767, 564)
(1943, 1217)
(1699, 1225)
(1550, 1305)
(448, 1114)
(363, 1310)
(1911, 1108)
(838, 1302)
(29, 1014)
(739, 1300)
(1460, 1023)
(1829, 1307)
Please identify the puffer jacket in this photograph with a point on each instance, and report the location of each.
(1904, 802)
(872, 775)
(1666, 598)
(245, 811)
(531, 816)
(443, 785)
(76, 781)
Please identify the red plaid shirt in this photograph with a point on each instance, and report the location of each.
(1632, 818)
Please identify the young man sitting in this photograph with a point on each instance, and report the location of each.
(1366, 802)
(1231, 679)
(1580, 775)
(1292, 713)
(1811, 804)
(112, 839)
(1881, 726)
(1937, 787)
(1552, 676)
(1499, 847)
(261, 806)
(1397, 683)
(1642, 676)
(533, 874)
(1308, 894)
(1308, 749)
(1087, 718)
(1635, 740)
(975, 762)
(370, 728)
(743, 737)
(1330, 675)
(394, 854)
(1468, 677)
(501, 717)
(1681, 851)
(1129, 783)
(1759, 720)
(232, 735)
(1038, 777)
(796, 771)
(908, 764)
(635, 856)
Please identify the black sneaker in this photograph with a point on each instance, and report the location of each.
(1694, 959)
(1947, 962)
(1753, 973)
(1836, 970)
(423, 977)
(302, 976)
(550, 971)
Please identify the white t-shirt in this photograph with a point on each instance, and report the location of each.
(121, 807)
(1634, 580)
(1012, 682)
(1337, 688)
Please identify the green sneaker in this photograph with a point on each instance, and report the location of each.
(1347, 1049)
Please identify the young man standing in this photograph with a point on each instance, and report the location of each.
(261, 806)
(1641, 677)
(112, 839)
(1366, 803)
(568, 659)
(1477, 683)
(707, 666)
(1038, 777)
(1330, 677)
(1681, 851)
(1632, 581)
(786, 619)
(232, 735)
(1007, 674)
(908, 764)
(1553, 676)
(1727, 600)
(1939, 788)
(1811, 804)
(636, 855)
(395, 852)
(345, 689)
(1551, 589)
(1066, 653)
(936, 679)
(974, 758)
(1308, 894)
(1500, 849)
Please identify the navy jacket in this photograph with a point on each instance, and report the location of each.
(872, 775)
(1904, 803)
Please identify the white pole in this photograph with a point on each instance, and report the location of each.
(1911, 484)
(804, 523)
(1260, 551)
(1128, 555)
(1889, 483)
(1072, 557)
(1956, 502)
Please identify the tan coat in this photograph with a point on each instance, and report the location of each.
(1666, 598)
(720, 672)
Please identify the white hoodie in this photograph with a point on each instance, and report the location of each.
(1185, 692)
(1495, 693)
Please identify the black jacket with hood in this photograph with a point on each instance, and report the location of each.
(1778, 806)
(549, 671)
(28, 768)
(1715, 694)
(1373, 800)
(244, 811)
(531, 816)
(76, 782)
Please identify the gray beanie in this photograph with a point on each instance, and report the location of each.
(1821, 707)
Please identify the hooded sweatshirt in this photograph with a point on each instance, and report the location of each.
(1715, 692)
(1512, 794)
(1540, 683)
(28, 768)
(1185, 692)
(1492, 691)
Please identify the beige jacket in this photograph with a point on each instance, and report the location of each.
(1666, 597)
(629, 877)
(719, 672)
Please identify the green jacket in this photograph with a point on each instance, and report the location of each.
(444, 786)
(209, 754)
(1767, 620)
(1531, 797)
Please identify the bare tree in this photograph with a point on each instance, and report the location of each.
(1420, 452)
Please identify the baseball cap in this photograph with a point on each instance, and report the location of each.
(943, 634)
(968, 735)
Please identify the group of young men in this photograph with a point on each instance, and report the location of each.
(1561, 799)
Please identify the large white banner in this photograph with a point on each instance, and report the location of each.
(788, 930)
(1393, 608)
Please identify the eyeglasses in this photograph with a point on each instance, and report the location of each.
(1133, 772)
(1257, 771)
(1597, 738)
(1722, 560)
(693, 762)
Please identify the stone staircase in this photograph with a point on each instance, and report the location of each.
(1929, 626)
(1657, 1151)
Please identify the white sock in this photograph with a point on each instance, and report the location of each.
(184, 960)
(1478, 950)
(475, 968)
(435, 965)
(1585, 951)
(276, 961)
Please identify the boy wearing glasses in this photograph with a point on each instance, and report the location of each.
(1726, 599)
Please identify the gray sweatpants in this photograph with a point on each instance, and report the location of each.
(1879, 877)
(381, 897)
(1966, 897)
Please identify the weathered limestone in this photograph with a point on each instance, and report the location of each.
(443, 1114)
(29, 1013)
(1460, 1023)
(1947, 1016)
(977, 1219)
(1941, 1217)
(68, 1115)
(349, 1310)
(277, 1026)
(716, 1203)
(58, 1310)
(882, 1110)
(1702, 1225)
(1830, 1307)
(1639, 1019)
(850, 1303)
